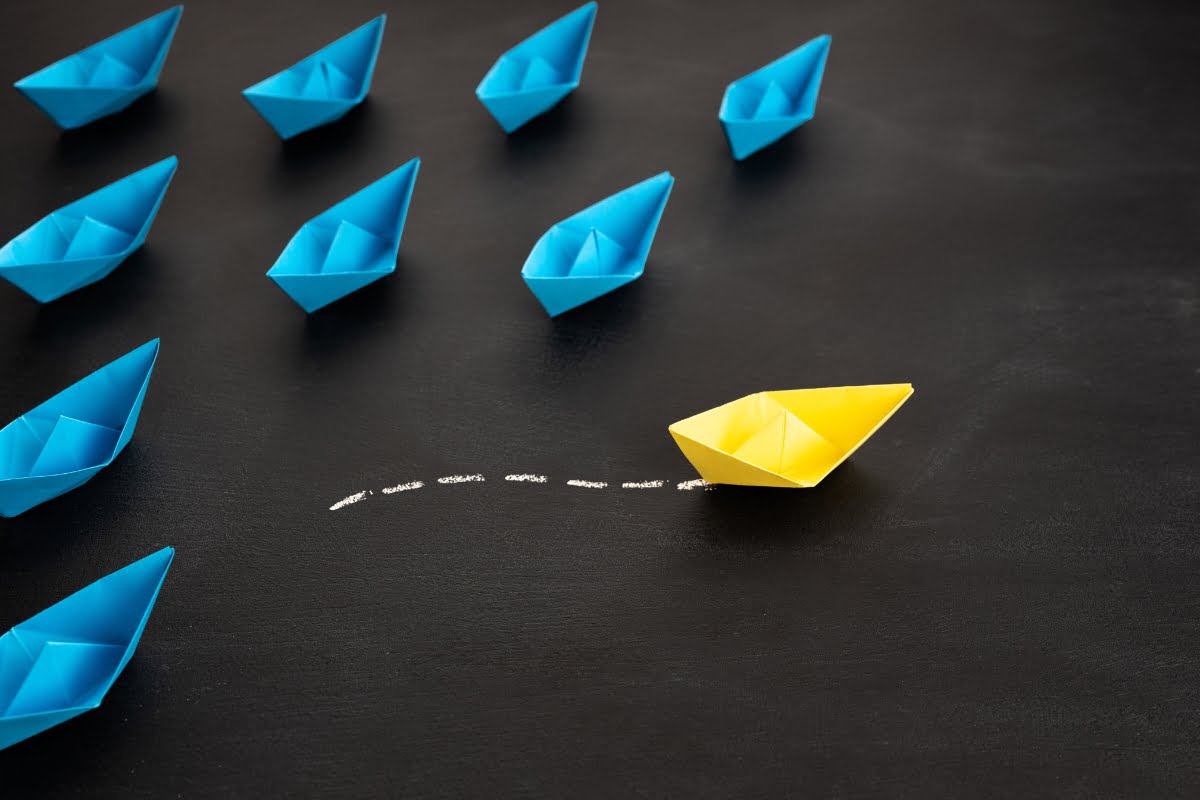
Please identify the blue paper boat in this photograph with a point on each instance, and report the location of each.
(83, 242)
(350, 245)
(767, 104)
(62, 443)
(322, 87)
(534, 76)
(61, 662)
(106, 77)
(599, 249)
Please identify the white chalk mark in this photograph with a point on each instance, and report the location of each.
(404, 487)
(354, 498)
(461, 479)
(522, 477)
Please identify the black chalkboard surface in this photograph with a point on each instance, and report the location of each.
(996, 596)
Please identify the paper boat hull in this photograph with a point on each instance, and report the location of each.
(18, 729)
(19, 495)
(73, 108)
(514, 110)
(559, 49)
(715, 466)
(626, 222)
(50, 281)
(57, 89)
(558, 295)
(110, 398)
(801, 72)
(314, 292)
(352, 244)
(747, 137)
(817, 429)
(61, 662)
(127, 206)
(291, 117)
(292, 102)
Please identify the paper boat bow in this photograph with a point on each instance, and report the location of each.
(83, 242)
(324, 86)
(349, 246)
(599, 249)
(61, 662)
(792, 438)
(62, 443)
(106, 77)
(534, 76)
(769, 103)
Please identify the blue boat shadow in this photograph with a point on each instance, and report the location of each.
(531, 140)
(314, 148)
(148, 115)
(329, 331)
(587, 331)
(105, 501)
(105, 730)
(130, 286)
(772, 165)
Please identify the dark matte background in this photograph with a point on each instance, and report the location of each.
(997, 597)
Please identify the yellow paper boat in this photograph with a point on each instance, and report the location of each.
(792, 439)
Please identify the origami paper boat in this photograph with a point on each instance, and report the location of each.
(599, 249)
(62, 443)
(793, 438)
(106, 77)
(83, 242)
(534, 76)
(61, 662)
(769, 103)
(350, 245)
(324, 86)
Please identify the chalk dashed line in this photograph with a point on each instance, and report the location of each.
(461, 479)
(404, 487)
(354, 498)
(685, 486)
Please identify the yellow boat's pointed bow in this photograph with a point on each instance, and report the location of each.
(788, 438)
